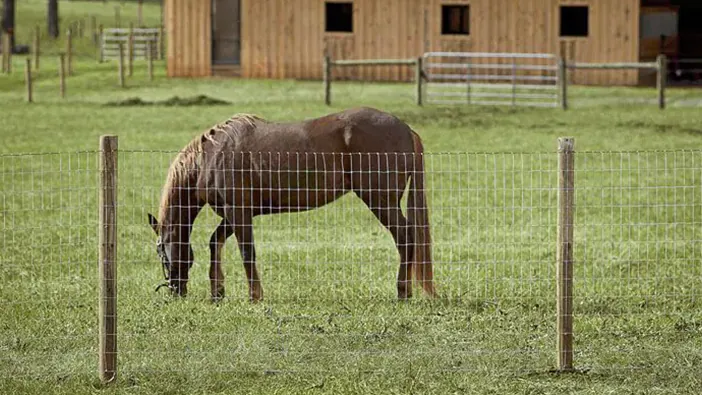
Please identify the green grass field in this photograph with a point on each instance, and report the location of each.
(330, 322)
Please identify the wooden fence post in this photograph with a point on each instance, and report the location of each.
(7, 53)
(4, 51)
(150, 59)
(100, 42)
(130, 50)
(327, 80)
(120, 65)
(28, 79)
(69, 52)
(661, 78)
(36, 50)
(564, 252)
(159, 38)
(563, 82)
(107, 265)
(418, 77)
(93, 29)
(62, 75)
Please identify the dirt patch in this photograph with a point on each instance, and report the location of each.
(175, 101)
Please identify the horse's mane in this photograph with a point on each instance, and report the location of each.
(189, 157)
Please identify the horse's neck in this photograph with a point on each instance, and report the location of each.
(182, 211)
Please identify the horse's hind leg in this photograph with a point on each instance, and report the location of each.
(387, 210)
(219, 236)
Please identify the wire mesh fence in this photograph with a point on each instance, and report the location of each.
(330, 274)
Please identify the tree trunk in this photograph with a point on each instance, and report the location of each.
(8, 21)
(52, 19)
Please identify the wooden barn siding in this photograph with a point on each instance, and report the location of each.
(294, 41)
(286, 39)
(188, 28)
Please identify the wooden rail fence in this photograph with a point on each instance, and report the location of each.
(136, 41)
(561, 77)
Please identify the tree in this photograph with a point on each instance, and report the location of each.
(52, 19)
(8, 20)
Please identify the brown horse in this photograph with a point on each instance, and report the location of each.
(248, 166)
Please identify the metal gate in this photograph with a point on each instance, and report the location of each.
(516, 79)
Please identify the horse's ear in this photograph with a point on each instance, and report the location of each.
(153, 222)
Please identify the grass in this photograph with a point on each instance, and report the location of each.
(330, 322)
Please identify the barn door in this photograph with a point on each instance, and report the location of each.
(226, 32)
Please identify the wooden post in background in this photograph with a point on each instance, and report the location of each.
(120, 65)
(101, 53)
(564, 252)
(69, 52)
(36, 51)
(107, 264)
(327, 80)
(62, 75)
(28, 79)
(93, 29)
(3, 42)
(130, 50)
(7, 53)
(418, 78)
(150, 59)
(159, 38)
(563, 82)
(661, 78)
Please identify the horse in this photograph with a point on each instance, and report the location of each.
(248, 166)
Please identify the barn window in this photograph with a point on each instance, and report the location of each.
(574, 21)
(455, 19)
(339, 17)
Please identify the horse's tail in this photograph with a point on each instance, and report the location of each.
(418, 217)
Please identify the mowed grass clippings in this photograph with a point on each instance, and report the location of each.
(330, 322)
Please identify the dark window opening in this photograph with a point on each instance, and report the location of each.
(455, 19)
(339, 17)
(574, 21)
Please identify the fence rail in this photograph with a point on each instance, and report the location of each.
(485, 78)
(514, 79)
(141, 40)
(616, 233)
(329, 64)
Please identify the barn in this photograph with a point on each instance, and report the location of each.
(288, 38)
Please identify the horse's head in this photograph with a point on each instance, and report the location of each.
(176, 257)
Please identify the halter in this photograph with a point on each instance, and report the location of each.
(164, 259)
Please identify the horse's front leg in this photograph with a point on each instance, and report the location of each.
(219, 237)
(244, 235)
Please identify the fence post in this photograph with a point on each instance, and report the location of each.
(419, 76)
(120, 65)
(564, 252)
(107, 303)
(7, 53)
(661, 77)
(150, 59)
(93, 29)
(28, 79)
(563, 82)
(69, 50)
(37, 50)
(4, 51)
(100, 43)
(130, 50)
(327, 80)
(160, 42)
(62, 75)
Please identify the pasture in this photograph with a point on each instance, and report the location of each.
(330, 321)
